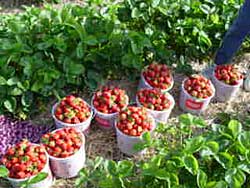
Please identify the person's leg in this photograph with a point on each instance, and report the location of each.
(235, 35)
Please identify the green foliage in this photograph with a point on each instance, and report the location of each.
(43, 51)
(214, 159)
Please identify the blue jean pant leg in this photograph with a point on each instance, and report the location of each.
(235, 35)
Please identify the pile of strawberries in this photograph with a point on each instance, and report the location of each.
(24, 160)
(72, 110)
(63, 142)
(134, 121)
(153, 99)
(198, 86)
(110, 100)
(228, 74)
(158, 76)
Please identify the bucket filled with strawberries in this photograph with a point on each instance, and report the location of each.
(72, 111)
(132, 122)
(24, 161)
(107, 103)
(196, 94)
(66, 150)
(157, 103)
(227, 81)
(156, 76)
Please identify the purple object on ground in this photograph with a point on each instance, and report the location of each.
(13, 131)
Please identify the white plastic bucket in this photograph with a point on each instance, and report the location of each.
(191, 104)
(70, 166)
(105, 121)
(225, 92)
(83, 126)
(160, 116)
(143, 84)
(46, 183)
(126, 143)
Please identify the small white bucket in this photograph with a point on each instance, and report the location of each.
(225, 92)
(105, 121)
(160, 116)
(83, 126)
(46, 183)
(70, 166)
(126, 143)
(191, 104)
(143, 84)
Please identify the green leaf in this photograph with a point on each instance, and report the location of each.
(194, 144)
(135, 13)
(191, 164)
(90, 40)
(16, 91)
(162, 174)
(201, 179)
(205, 9)
(199, 122)
(155, 3)
(235, 178)
(186, 119)
(235, 127)
(75, 69)
(225, 159)
(79, 50)
(38, 178)
(112, 168)
(3, 172)
(245, 168)
(132, 61)
(210, 148)
(244, 139)
(10, 104)
(2, 81)
(214, 184)
(146, 137)
(12, 81)
(125, 168)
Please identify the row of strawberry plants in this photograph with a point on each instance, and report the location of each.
(218, 158)
(44, 50)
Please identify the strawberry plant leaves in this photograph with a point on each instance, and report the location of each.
(225, 159)
(235, 127)
(3, 172)
(38, 178)
(244, 139)
(235, 178)
(191, 164)
(194, 144)
(202, 179)
(10, 104)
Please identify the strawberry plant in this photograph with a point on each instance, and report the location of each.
(215, 158)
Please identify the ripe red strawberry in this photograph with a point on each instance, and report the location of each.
(198, 86)
(153, 99)
(65, 142)
(110, 100)
(132, 120)
(228, 74)
(158, 76)
(24, 160)
(72, 110)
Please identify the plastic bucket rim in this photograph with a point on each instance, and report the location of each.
(136, 137)
(107, 115)
(25, 179)
(71, 124)
(227, 85)
(158, 111)
(194, 98)
(68, 158)
(163, 90)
